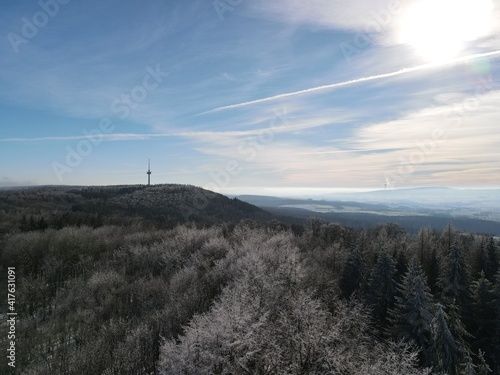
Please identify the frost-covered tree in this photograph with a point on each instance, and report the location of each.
(444, 349)
(455, 280)
(236, 338)
(459, 332)
(412, 315)
(483, 262)
(448, 236)
(483, 307)
(266, 323)
(483, 324)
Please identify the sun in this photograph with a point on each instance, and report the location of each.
(439, 29)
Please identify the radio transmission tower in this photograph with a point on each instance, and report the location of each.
(149, 172)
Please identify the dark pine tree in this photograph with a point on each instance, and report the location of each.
(484, 322)
(483, 262)
(444, 349)
(483, 368)
(32, 224)
(411, 317)
(352, 274)
(401, 266)
(460, 334)
(42, 224)
(24, 225)
(495, 364)
(433, 272)
(494, 257)
(382, 288)
(455, 280)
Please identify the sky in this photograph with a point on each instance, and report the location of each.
(251, 96)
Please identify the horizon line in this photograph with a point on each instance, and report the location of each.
(338, 189)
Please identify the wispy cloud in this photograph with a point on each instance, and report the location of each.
(339, 14)
(351, 82)
(377, 16)
(347, 122)
(466, 155)
(107, 137)
(279, 122)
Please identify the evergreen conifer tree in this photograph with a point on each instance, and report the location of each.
(42, 224)
(32, 224)
(382, 288)
(495, 362)
(459, 333)
(455, 280)
(445, 351)
(469, 368)
(494, 258)
(24, 226)
(412, 316)
(433, 272)
(483, 328)
(401, 266)
(482, 368)
(483, 262)
(352, 274)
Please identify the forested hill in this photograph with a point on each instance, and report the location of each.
(165, 205)
(101, 285)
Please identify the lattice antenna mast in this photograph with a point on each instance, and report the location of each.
(149, 172)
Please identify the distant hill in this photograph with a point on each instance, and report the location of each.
(468, 210)
(411, 223)
(171, 204)
(429, 197)
(163, 204)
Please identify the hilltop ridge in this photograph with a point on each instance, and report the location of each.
(168, 204)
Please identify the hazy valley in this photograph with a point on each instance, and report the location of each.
(469, 210)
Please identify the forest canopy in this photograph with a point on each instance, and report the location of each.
(124, 295)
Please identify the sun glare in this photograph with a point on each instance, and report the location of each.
(439, 29)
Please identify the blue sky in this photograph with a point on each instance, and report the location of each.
(244, 96)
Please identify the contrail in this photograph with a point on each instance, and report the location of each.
(358, 80)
